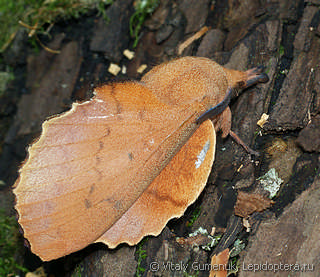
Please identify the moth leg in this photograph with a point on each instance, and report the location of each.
(223, 123)
(255, 75)
(240, 142)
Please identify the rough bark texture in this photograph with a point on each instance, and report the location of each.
(290, 240)
(283, 35)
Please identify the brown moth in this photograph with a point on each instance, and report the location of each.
(118, 167)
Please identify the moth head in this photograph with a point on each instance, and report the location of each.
(239, 80)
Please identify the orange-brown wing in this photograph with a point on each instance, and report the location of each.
(168, 196)
(92, 163)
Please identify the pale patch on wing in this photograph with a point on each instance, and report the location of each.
(98, 100)
(202, 154)
(100, 116)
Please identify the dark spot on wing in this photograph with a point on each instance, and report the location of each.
(118, 205)
(101, 145)
(100, 175)
(164, 198)
(107, 132)
(92, 188)
(97, 159)
(141, 114)
(130, 155)
(113, 94)
(87, 203)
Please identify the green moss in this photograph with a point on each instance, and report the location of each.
(9, 244)
(77, 271)
(234, 265)
(195, 214)
(53, 10)
(142, 254)
(281, 50)
(36, 15)
(11, 12)
(143, 8)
